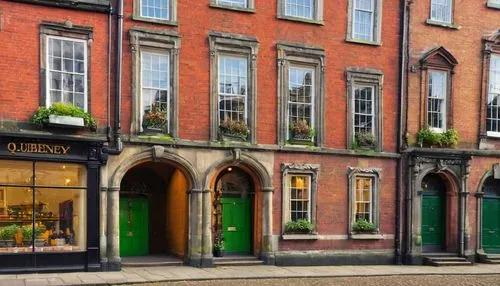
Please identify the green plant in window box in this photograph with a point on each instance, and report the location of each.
(301, 133)
(429, 138)
(7, 235)
(155, 119)
(234, 129)
(363, 226)
(364, 140)
(301, 226)
(61, 111)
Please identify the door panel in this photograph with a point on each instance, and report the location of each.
(236, 224)
(491, 225)
(433, 226)
(134, 226)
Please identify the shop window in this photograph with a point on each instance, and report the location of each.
(42, 207)
(156, 11)
(364, 21)
(364, 198)
(155, 73)
(301, 85)
(65, 64)
(310, 11)
(233, 78)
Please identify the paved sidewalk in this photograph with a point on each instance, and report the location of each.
(181, 273)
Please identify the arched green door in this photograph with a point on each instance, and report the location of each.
(491, 216)
(433, 213)
(134, 226)
(236, 224)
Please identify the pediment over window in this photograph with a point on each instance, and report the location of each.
(495, 37)
(439, 57)
(492, 42)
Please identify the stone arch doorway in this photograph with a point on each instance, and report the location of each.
(153, 210)
(234, 204)
(490, 228)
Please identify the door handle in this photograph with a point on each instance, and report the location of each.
(431, 229)
(491, 231)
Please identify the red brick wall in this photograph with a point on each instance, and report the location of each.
(20, 58)
(197, 19)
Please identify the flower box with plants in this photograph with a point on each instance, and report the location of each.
(7, 235)
(364, 140)
(27, 232)
(301, 133)
(429, 138)
(301, 229)
(233, 130)
(219, 247)
(155, 120)
(63, 115)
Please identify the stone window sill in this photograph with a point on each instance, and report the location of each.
(237, 9)
(153, 20)
(303, 20)
(366, 236)
(363, 42)
(442, 24)
(491, 4)
(293, 236)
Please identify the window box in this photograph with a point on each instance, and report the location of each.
(232, 130)
(366, 236)
(155, 121)
(227, 137)
(296, 236)
(66, 121)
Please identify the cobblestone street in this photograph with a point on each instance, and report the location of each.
(434, 280)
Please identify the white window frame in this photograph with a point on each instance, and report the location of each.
(245, 96)
(450, 11)
(233, 3)
(494, 57)
(311, 14)
(356, 200)
(312, 104)
(308, 179)
(372, 20)
(362, 86)
(48, 102)
(169, 90)
(159, 18)
(443, 98)
(374, 174)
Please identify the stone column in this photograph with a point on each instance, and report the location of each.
(113, 241)
(267, 252)
(103, 223)
(207, 257)
(195, 231)
(479, 223)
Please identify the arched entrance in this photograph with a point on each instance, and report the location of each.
(153, 212)
(433, 213)
(233, 219)
(491, 216)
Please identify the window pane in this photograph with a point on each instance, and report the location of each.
(155, 9)
(60, 220)
(363, 199)
(299, 194)
(16, 218)
(363, 19)
(299, 8)
(441, 10)
(60, 175)
(493, 118)
(234, 3)
(363, 109)
(436, 99)
(300, 97)
(233, 82)
(16, 172)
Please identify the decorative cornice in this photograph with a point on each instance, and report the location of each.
(299, 167)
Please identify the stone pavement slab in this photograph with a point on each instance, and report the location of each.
(186, 273)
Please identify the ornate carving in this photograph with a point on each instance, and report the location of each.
(157, 152)
(299, 167)
(93, 154)
(236, 154)
(375, 171)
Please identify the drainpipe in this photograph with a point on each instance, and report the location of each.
(108, 103)
(117, 148)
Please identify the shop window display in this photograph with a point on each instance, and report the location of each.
(42, 207)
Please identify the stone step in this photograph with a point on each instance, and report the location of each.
(446, 258)
(152, 264)
(449, 263)
(238, 263)
(492, 261)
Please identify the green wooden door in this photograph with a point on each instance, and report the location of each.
(134, 226)
(491, 225)
(433, 223)
(236, 225)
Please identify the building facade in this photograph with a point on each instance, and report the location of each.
(450, 101)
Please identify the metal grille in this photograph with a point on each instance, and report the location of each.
(363, 199)
(232, 88)
(299, 8)
(441, 10)
(234, 3)
(363, 109)
(493, 108)
(155, 9)
(436, 99)
(300, 193)
(363, 19)
(67, 75)
(300, 99)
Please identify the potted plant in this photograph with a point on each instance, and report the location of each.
(301, 132)
(364, 140)
(363, 226)
(28, 233)
(155, 120)
(219, 247)
(64, 115)
(301, 226)
(234, 130)
(430, 138)
(7, 235)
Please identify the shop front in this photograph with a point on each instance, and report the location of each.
(49, 204)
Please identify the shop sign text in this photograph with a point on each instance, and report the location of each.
(38, 148)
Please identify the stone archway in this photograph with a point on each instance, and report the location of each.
(156, 154)
(263, 202)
